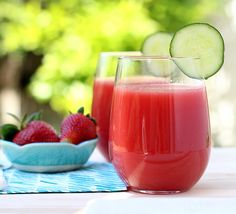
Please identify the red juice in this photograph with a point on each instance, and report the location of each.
(102, 98)
(160, 135)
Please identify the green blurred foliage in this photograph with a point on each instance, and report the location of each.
(71, 33)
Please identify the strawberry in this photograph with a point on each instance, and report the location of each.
(36, 131)
(77, 128)
(32, 129)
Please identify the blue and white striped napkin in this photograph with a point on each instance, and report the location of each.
(93, 177)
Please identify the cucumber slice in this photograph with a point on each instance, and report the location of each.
(202, 41)
(157, 44)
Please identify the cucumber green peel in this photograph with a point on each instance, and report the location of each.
(201, 41)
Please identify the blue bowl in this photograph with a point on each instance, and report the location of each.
(48, 157)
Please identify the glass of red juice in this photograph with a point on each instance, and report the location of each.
(159, 130)
(102, 95)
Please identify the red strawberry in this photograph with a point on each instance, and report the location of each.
(36, 131)
(31, 130)
(77, 128)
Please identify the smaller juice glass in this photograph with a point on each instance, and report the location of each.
(102, 95)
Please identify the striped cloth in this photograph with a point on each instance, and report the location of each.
(93, 177)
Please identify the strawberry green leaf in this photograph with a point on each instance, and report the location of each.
(8, 131)
(15, 117)
(23, 122)
(81, 110)
(93, 120)
(34, 116)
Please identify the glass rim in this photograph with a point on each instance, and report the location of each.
(120, 53)
(155, 57)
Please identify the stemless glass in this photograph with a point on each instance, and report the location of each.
(102, 95)
(159, 130)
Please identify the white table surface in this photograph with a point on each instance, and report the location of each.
(218, 182)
